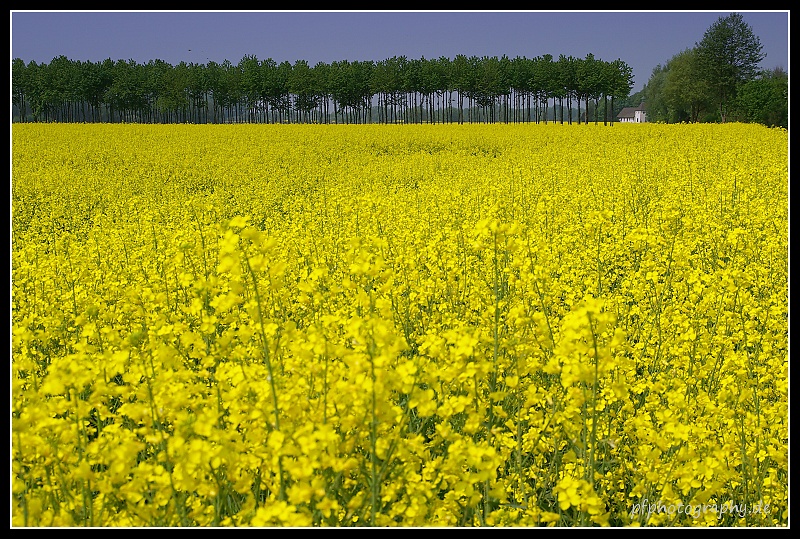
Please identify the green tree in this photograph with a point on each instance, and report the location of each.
(214, 80)
(156, 78)
(20, 86)
(686, 90)
(468, 83)
(590, 82)
(496, 89)
(127, 93)
(322, 87)
(351, 90)
(382, 86)
(444, 87)
(765, 99)
(253, 75)
(229, 91)
(729, 54)
(521, 84)
(301, 85)
(547, 84)
(97, 80)
(176, 91)
(198, 90)
(657, 108)
(491, 86)
(564, 68)
(620, 82)
(412, 86)
(428, 83)
(505, 84)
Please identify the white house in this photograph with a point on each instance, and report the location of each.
(632, 114)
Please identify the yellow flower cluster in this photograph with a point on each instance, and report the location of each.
(483, 325)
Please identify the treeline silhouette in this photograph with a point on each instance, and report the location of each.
(395, 90)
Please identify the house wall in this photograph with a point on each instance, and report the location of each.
(639, 116)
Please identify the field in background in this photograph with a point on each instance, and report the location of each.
(484, 325)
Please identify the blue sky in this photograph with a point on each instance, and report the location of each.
(643, 39)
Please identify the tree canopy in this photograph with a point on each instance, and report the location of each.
(729, 54)
(398, 89)
(719, 80)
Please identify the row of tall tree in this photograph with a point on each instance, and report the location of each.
(398, 89)
(719, 80)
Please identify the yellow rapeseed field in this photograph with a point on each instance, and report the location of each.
(429, 325)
